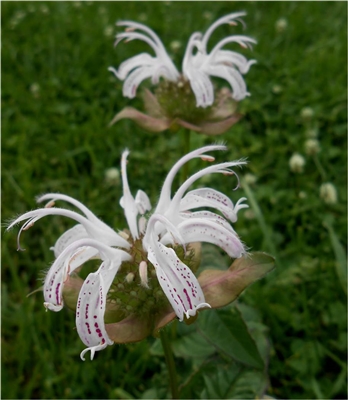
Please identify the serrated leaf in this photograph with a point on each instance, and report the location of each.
(222, 287)
(228, 333)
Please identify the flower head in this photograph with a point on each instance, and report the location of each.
(188, 99)
(147, 270)
(328, 193)
(297, 163)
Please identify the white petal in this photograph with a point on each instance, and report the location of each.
(206, 197)
(177, 281)
(134, 62)
(70, 259)
(232, 58)
(134, 79)
(71, 235)
(165, 197)
(142, 202)
(91, 309)
(127, 201)
(203, 230)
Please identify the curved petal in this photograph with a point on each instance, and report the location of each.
(205, 230)
(207, 197)
(71, 235)
(177, 281)
(134, 62)
(90, 309)
(142, 202)
(70, 259)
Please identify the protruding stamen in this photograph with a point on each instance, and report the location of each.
(124, 235)
(28, 226)
(50, 204)
(129, 277)
(143, 274)
(208, 158)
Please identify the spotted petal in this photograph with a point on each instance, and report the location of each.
(206, 197)
(177, 281)
(67, 262)
(91, 309)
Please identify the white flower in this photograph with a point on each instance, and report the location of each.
(225, 64)
(112, 176)
(173, 223)
(312, 146)
(328, 193)
(297, 162)
(138, 68)
(198, 65)
(281, 25)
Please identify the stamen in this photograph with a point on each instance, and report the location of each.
(28, 226)
(208, 158)
(143, 274)
(124, 235)
(129, 277)
(50, 204)
(130, 29)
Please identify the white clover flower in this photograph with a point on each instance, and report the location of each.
(112, 176)
(281, 25)
(307, 113)
(109, 31)
(152, 242)
(312, 147)
(328, 193)
(175, 45)
(297, 163)
(250, 179)
(35, 89)
(197, 67)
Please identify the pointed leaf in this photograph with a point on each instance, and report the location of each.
(145, 121)
(228, 333)
(222, 287)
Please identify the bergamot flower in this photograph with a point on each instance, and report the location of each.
(146, 275)
(188, 99)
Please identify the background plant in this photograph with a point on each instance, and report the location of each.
(58, 98)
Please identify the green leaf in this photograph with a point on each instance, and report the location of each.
(340, 254)
(228, 333)
(222, 287)
(233, 382)
(192, 346)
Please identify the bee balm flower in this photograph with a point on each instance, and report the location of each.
(147, 273)
(188, 99)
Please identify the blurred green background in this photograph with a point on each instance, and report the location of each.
(57, 100)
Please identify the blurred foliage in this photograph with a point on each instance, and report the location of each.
(57, 100)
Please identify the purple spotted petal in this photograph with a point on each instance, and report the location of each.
(177, 281)
(91, 309)
(65, 264)
(207, 197)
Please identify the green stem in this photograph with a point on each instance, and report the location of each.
(170, 363)
(185, 150)
(320, 167)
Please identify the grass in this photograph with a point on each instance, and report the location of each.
(57, 100)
